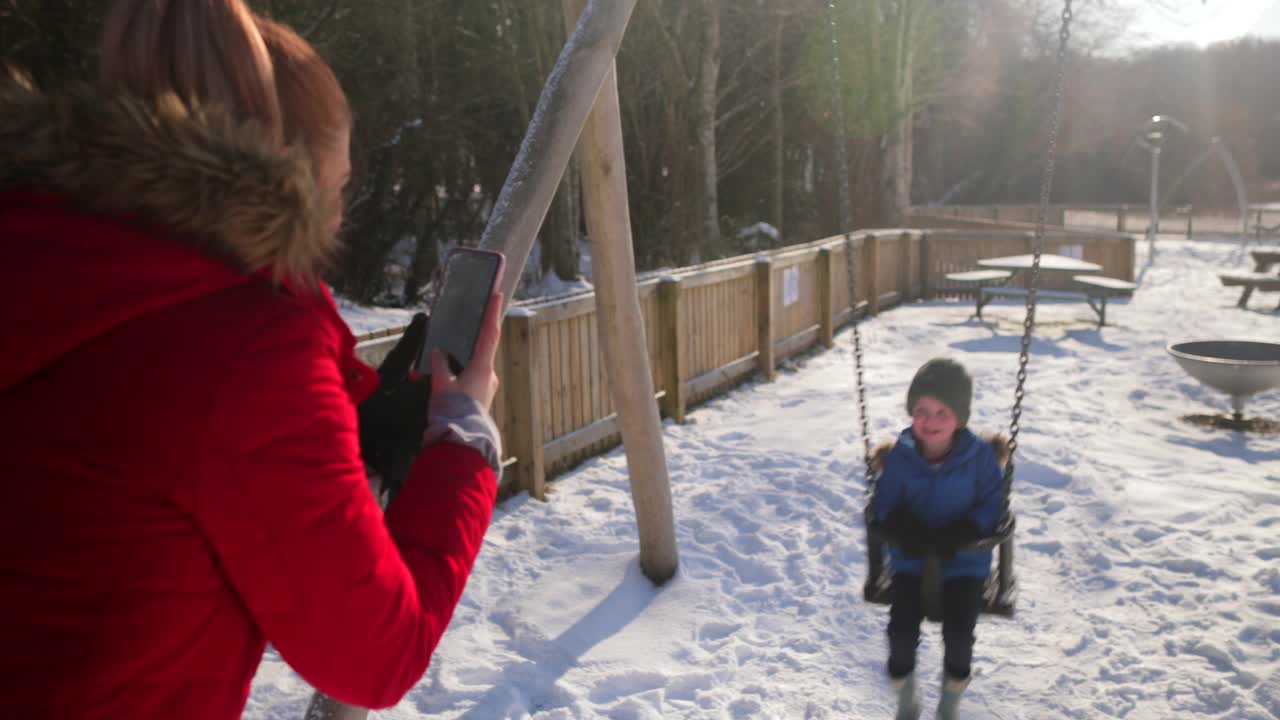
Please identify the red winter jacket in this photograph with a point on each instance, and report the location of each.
(182, 480)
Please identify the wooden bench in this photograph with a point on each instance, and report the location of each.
(1263, 260)
(1099, 288)
(1250, 282)
(1096, 292)
(1260, 279)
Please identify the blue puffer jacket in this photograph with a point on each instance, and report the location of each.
(969, 484)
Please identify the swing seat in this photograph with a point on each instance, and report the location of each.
(999, 594)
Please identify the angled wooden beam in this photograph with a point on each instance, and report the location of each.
(548, 144)
(621, 324)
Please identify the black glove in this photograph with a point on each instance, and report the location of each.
(909, 532)
(955, 535)
(393, 419)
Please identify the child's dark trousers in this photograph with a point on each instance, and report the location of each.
(961, 604)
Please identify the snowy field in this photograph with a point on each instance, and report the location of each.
(1148, 550)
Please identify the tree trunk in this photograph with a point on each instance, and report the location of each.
(562, 230)
(896, 148)
(775, 95)
(708, 82)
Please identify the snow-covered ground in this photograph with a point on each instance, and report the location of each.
(1148, 549)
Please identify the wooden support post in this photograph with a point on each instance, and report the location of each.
(764, 317)
(826, 298)
(1190, 213)
(1121, 217)
(621, 324)
(674, 366)
(525, 376)
(871, 254)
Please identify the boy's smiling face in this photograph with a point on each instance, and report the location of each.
(934, 424)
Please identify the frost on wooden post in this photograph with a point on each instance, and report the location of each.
(558, 119)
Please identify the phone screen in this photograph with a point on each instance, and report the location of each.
(459, 308)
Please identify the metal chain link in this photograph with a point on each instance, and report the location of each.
(1046, 185)
(846, 220)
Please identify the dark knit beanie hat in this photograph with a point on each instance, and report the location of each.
(946, 380)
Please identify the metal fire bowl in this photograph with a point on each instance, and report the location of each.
(1239, 368)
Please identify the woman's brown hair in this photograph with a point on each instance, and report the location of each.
(203, 51)
(314, 108)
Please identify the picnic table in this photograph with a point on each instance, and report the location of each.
(1260, 279)
(992, 281)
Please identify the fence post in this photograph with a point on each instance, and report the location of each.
(826, 297)
(873, 284)
(526, 364)
(1121, 217)
(764, 316)
(1190, 213)
(671, 344)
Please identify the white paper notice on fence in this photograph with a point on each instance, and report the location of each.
(790, 285)
(1073, 251)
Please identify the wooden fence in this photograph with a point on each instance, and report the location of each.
(711, 326)
(1184, 220)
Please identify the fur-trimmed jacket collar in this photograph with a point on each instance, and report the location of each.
(999, 440)
(226, 187)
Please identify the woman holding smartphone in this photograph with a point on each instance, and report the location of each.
(183, 479)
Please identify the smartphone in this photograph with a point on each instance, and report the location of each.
(469, 280)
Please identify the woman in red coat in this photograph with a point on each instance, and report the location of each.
(182, 474)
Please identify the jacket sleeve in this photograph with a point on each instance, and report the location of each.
(990, 493)
(355, 603)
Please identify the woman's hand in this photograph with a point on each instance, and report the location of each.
(478, 380)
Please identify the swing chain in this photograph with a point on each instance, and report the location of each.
(1046, 185)
(846, 219)
(857, 354)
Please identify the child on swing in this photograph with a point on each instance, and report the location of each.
(940, 488)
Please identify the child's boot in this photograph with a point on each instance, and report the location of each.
(949, 704)
(908, 707)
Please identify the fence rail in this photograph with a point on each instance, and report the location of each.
(709, 327)
(1187, 220)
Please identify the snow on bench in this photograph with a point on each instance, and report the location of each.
(979, 276)
(1097, 284)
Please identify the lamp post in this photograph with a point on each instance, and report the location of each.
(1154, 140)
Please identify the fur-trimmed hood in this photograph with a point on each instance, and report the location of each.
(223, 186)
(112, 208)
(999, 440)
